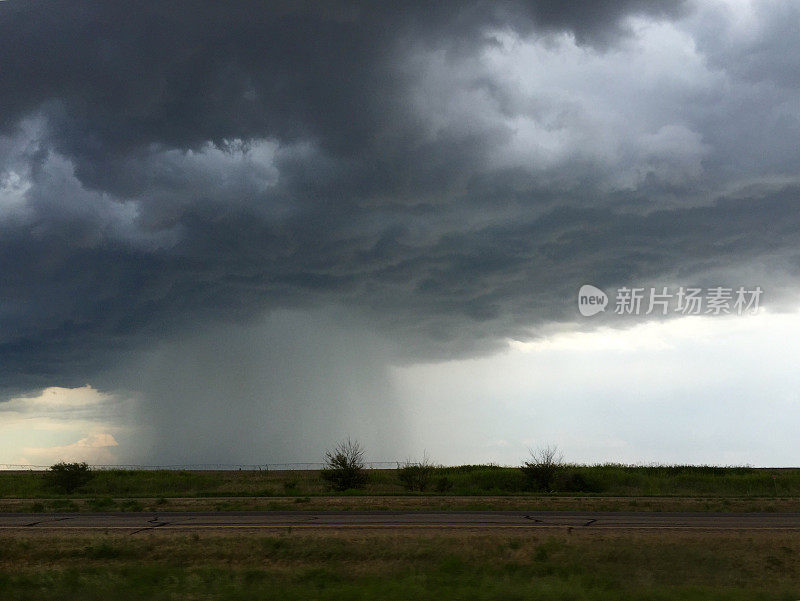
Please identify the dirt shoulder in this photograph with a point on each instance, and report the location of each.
(407, 503)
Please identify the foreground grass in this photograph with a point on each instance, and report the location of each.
(466, 565)
(606, 480)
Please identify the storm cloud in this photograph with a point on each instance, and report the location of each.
(441, 177)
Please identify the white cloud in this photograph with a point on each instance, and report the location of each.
(56, 408)
(56, 398)
(96, 448)
(557, 108)
(40, 429)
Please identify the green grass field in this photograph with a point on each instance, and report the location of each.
(606, 480)
(602, 488)
(465, 566)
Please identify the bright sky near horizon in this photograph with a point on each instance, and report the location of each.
(657, 392)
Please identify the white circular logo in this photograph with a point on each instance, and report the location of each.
(591, 300)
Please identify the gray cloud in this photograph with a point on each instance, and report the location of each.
(276, 390)
(444, 178)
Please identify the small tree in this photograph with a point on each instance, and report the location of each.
(416, 476)
(543, 467)
(344, 466)
(68, 477)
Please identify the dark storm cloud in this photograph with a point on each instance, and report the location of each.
(113, 80)
(461, 293)
(178, 164)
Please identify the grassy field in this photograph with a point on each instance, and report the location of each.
(505, 566)
(463, 565)
(605, 488)
(606, 480)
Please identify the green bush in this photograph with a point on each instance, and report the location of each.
(344, 466)
(571, 481)
(68, 477)
(479, 480)
(444, 484)
(416, 476)
(543, 468)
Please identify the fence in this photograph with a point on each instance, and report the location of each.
(209, 466)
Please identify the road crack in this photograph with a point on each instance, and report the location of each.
(48, 521)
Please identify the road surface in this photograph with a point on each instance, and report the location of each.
(389, 520)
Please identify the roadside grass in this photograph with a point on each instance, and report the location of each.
(351, 565)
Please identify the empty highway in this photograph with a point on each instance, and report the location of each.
(388, 520)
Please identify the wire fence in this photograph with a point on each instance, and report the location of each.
(209, 466)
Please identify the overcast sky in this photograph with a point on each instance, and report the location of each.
(239, 232)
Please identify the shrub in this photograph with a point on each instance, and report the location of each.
(444, 484)
(543, 467)
(416, 476)
(344, 466)
(68, 477)
(576, 482)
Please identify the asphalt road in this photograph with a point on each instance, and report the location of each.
(277, 520)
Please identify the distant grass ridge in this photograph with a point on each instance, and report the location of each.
(464, 480)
